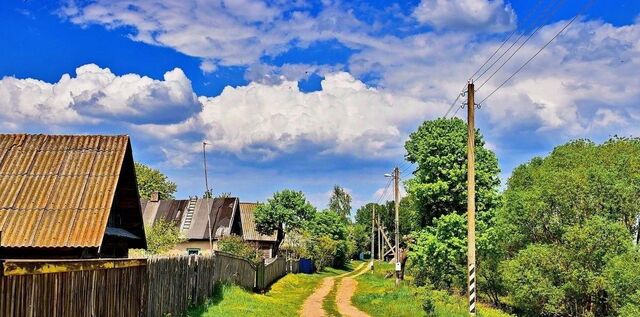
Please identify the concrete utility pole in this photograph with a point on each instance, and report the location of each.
(471, 200)
(396, 190)
(373, 233)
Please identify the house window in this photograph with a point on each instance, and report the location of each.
(191, 251)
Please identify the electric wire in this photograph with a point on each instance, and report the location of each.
(584, 8)
(549, 14)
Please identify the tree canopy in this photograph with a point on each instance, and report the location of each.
(439, 184)
(152, 180)
(340, 202)
(287, 210)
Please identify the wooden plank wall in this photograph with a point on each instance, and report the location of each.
(96, 292)
(177, 283)
(274, 271)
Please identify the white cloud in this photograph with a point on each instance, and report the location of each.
(345, 117)
(226, 33)
(96, 94)
(468, 15)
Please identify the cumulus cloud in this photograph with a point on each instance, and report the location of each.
(96, 94)
(345, 117)
(468, 15)
(221, 32)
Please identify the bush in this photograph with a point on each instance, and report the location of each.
(429, 306)
(163, 236)
(237, 246)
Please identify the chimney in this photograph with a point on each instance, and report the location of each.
(155, 196)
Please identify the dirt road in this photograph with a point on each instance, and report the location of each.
(312, 306)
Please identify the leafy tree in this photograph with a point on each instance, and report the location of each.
(321, 250)
(408, 215)
(359, 238)
(340, 202)
(152, 180)
(163, 236)
(286, 211)
(236, 245)
(439, 185)
(568, 278)
(329, 224)
(577, 181)
(622, 281)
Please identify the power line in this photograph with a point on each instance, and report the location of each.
(535, 8)
(584, 8)
(384, 192)
(462, 91)
(522, 44)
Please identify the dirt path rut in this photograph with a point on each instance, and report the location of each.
(312, 306)
(346, 289)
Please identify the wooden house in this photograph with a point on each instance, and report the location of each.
(68, 196)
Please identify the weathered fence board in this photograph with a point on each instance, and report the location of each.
(126, 287)
(233, 269)
(74, 292)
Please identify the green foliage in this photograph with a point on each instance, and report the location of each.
(568, 278)
(325, 226)
(438, 255)
(360, 238)
(439, 183)
(286, 209)
(163, 236)
(340, 202)
(622, 281)
(408, 215)
(152, 180)
(236, 245)
(579, 180)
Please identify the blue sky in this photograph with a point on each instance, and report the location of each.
(308, 94)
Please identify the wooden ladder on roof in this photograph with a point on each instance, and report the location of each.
(188, 218)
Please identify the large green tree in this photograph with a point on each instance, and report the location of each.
(408, 215)
(340, 202)
(566, 230)
(152, 180)
(286, 211)
(439, 185)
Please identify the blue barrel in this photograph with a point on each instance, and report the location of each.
(306, 266)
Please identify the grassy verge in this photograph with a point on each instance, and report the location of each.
(329, 304)
(283, 299)
(378, 296)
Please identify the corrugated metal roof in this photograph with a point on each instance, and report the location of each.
(220, 209)
(57, 190)
(249, 231)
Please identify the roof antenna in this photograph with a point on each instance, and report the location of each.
(207, 193)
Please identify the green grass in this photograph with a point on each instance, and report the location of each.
(285, 297)
(378, 296)
(329, 304)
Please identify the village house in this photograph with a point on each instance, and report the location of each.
(192, 217)
(228, 217)
(68, 196)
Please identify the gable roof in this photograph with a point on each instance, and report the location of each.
(58, 190)
(247, 218)
(221, 211)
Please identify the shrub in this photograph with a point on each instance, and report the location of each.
(163, 236)
(235, 245)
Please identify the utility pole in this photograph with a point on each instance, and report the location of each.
(373, 233)
(471, 200)
(208, 195)
(380, 246)
(396, 190)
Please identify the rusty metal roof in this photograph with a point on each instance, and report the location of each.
(57, 190)
(247, 219)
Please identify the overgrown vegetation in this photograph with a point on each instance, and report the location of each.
(236, 245)
(162, 237)
(555, 243)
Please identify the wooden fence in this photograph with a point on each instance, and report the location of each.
(73, 288)
(126, 287)
(234, 269)
(177, 283)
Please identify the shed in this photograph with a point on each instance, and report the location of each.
(247, 228)
(68, 196)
